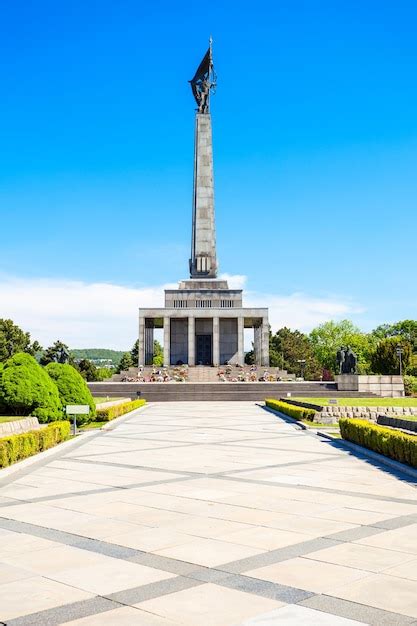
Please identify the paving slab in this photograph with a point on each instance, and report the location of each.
(295, 615)
(207, 513)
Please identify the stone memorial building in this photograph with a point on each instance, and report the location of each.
(203, 320)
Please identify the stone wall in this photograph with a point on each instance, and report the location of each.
(385, 386)
(364, 412)
(19, 426)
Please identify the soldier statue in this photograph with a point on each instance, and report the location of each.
(347, 361)
(204, 81)
(340, 358)
(202, 95)
(351, 361)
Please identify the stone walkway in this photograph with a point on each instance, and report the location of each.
(207, 514)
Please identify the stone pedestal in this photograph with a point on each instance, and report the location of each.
(385, 386)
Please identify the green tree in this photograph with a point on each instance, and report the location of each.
(97, 354)
(134, 353)
(54, 353)
(363, 345)
(327, 338)
(125, 362)
(288, 348)
(104, 373)
(158, 353)
(385, 359)
(407, 329)
(88, 370)
(383, 331)
(72, 388)
(26, 389)
(250, 357)
(13, 340)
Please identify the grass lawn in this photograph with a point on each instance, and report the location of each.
(11, 418)
(361, 401)
(105, 399)
(92, 425)
(409, 418)
(311, 424)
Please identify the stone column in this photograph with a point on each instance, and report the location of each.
(216, 342)
(265, 342)
(149, 333)
(240, 339)
(167, 341)
(257, 344)
(141, 341)
(191, 341)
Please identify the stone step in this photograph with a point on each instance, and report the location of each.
(202, 373)
(174, 392)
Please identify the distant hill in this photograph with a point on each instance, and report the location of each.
(98, 353)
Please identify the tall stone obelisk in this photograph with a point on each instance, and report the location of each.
(203, 320)
(203, 261)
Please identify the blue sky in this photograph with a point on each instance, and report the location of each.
(315, 137)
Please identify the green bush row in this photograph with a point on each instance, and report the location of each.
(392, 443)
(296, 412)
(18, 447)
(109, 413)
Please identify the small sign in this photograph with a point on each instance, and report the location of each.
(77, 409)
(332, 401)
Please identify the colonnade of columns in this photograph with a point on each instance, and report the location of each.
(261, 341)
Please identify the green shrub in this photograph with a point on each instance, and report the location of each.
(72, 388)
(392, 443)
(18, 447)
(26, 389)
(109, 413)
(385, 359)
(296, 412)
(410, 385)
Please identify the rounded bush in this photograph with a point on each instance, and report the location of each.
(26, 389)
(72, 388)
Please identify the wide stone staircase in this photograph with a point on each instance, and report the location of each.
(201, 373)
(217, 391)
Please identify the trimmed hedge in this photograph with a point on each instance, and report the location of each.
(392, 443)
(109, 413)
(296, 412)
(18, 447)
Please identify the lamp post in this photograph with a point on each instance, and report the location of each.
(399, 352)
(302, 363)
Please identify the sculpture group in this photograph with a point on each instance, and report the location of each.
(347, 360)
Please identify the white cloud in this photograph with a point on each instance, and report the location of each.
(235, 281)
(105, 315)
(300, 311)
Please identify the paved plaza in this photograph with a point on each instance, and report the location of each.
(207, 514)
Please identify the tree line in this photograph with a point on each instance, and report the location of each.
(312, 354)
